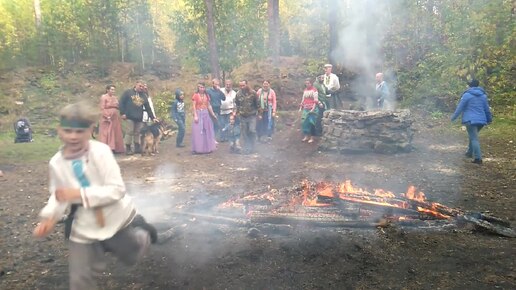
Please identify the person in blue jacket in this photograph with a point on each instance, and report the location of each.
(474, 108)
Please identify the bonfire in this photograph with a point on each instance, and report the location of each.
(342, 204)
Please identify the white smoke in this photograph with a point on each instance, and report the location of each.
(363, 28)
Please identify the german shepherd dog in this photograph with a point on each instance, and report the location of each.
(151, 135)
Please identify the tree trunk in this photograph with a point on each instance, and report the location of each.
(333, 21)
(212, 41)
(37, 18)
(274, 30)
(140, 42)
(37, 14)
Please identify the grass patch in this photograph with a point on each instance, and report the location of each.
(502, 128)
(41, 149)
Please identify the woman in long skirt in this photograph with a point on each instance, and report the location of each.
(110, 127)
(203, 134)
(309, 109)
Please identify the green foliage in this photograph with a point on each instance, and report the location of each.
(433, 47)
(161, 102)
(239, 28)
(48, 82)
(43, 148)
(436, 115)
(461, 40)
(305, 23)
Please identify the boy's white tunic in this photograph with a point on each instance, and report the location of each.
(106, 191)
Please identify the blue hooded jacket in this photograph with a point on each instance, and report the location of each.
(474, 107)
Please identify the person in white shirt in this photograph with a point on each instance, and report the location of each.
(332, 84)
(146, 117)
(86, 182)
(382, 91)
(227, 107)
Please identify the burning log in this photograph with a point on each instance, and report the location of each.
(319, 221)
(489, 224)
(342, 205)
(212, 218)
(381, 206)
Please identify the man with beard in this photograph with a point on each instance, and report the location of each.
(132, 103)
(246, 102)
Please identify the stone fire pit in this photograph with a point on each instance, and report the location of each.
(367, 131)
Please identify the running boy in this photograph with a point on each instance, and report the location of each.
(85, 180)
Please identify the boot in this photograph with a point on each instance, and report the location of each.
(128, 150)
(137, 148)
(140, 222)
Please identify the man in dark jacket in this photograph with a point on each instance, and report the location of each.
(474, 108)
(216, 98)
(132, 103)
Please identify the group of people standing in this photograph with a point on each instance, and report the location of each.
(223, 114)
(318, 96)
(130, 111)
(220, 114)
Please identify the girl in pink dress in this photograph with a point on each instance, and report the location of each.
(203, 135)
(110, 128)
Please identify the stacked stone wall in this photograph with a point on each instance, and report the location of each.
(367, 131)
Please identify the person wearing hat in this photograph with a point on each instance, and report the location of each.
(474, 108)
(177, 113)
(332, 84)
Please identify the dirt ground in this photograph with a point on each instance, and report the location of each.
(208, 254)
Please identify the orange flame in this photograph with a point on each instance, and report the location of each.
(411, 194)
(380, 197)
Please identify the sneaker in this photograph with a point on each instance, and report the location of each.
(304, 139)
(140, 222)
(477, 161)
(311, 140)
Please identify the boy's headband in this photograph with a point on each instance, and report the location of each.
(65, 123)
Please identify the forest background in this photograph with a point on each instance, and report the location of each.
(428, 49)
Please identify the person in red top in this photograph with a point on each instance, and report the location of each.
(309, 109)
(267, 102)
(203, 134)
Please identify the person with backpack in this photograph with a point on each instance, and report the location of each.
(23, 131)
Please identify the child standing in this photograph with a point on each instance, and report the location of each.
(177, 112)
(232, 132)
(85, 180)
